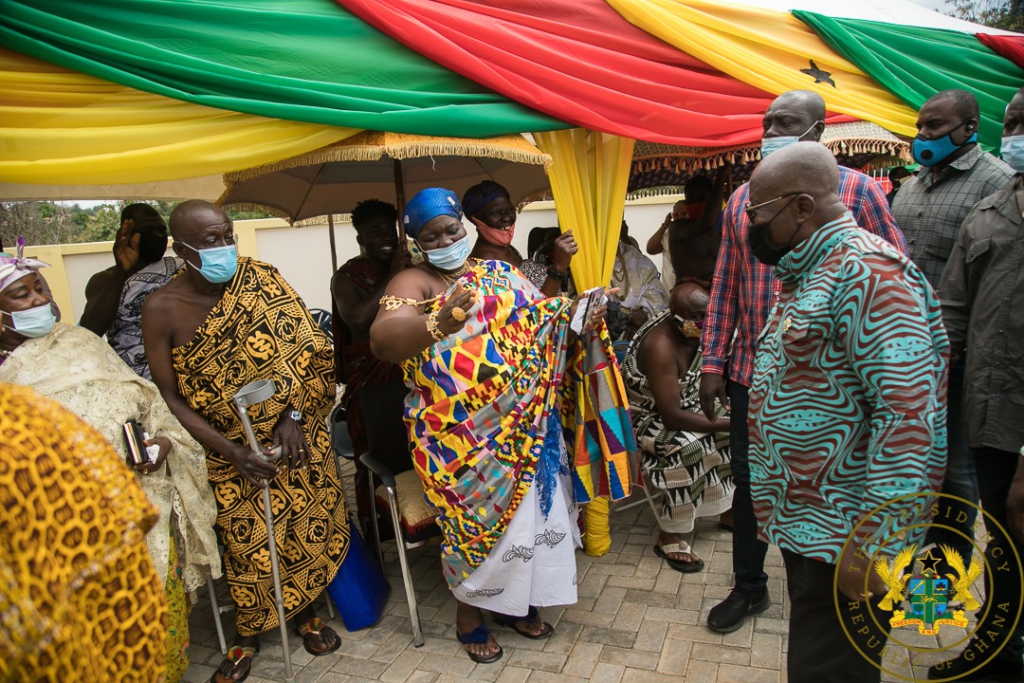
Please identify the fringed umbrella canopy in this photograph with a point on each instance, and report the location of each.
(386, 166)
(664, 169)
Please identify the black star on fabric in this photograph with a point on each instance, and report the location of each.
(820, 76)
(930, 562)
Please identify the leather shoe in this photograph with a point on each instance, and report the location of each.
(728, 615)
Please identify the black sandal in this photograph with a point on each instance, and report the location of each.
(481, 634)
(546, 631)
(236, 655)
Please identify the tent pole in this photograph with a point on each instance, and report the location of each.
(334, 243)
(399, 198)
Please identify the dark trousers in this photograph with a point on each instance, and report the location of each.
(961, 479)
(748, 551)
(1002, 583)
(820, 650)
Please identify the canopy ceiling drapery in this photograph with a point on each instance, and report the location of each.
(61, 127)
(676, 71)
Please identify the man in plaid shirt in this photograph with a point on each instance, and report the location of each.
(742, 294)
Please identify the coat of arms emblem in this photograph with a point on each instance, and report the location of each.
(933, 599)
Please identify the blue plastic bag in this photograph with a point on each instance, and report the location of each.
(359, 589)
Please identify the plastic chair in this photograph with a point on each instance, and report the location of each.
(322, 318)
(389, 455)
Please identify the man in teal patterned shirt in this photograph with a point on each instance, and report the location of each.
(847, 406)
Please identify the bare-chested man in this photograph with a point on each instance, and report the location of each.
(219, 325)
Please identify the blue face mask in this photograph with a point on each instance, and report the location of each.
(35, 322)
(769, 145)
(218, 263)
(1013, 152)
(450, 257)
(932, 152)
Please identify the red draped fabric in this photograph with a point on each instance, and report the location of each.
(581, 62)
(1011, 47)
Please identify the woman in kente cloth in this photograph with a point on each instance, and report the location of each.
(503, 395)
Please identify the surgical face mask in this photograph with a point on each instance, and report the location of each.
(450, 257)
(932, 152)
(758, 237)
(1013, 152)
(218, 263)
(34, 322)
(496, 236)
(769, 145)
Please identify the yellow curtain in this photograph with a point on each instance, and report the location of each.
(62, 127)
(588, 181)
(771, 50)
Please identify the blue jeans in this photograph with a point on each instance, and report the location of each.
(961, 478)
(748, 551)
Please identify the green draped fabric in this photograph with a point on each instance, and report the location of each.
(915, 63)
(302, 60)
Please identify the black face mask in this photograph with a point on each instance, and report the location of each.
(152, 246)
(761, 245)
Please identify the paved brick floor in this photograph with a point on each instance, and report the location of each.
(637, 621)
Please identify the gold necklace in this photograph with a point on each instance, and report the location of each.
(450, 278)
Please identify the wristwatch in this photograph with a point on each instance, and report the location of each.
(295, 415)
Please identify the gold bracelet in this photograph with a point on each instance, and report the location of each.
(393, 303)
(434, 329)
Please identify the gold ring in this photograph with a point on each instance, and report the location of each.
(458, 314)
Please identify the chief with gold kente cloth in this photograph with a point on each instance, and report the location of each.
(260, 329)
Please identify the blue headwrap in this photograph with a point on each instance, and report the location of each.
(427, 205)
(480, 195)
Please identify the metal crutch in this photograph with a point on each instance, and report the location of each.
(252, 394)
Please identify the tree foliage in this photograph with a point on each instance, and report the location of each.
(63, 223)
(1004, 14)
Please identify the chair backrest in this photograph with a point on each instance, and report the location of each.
(337, 423)
(322, 319)
(383, 408)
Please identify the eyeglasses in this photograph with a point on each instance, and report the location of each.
(749, 208)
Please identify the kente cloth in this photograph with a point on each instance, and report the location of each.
(79, 597)
(260, 329)
(638, 281)
(691, 472)
(125, 333)
(177, 618)
(491, 401)
(74, 367)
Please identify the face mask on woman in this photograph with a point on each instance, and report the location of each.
(450, 257)
(218, 263)
(34, 322)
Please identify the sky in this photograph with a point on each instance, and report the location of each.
(933, 4)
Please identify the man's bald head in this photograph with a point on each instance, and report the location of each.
(688, 300)
(796, 112)
(803, 167)
(190, 216)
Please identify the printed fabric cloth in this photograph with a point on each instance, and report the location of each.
(639, 282)
(125, 333)
(690, 472)
(489, 410)
(848, 403)
(743, 288)
(73, 366)
(260, 329)
(79, 598)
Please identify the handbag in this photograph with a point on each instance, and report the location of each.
(359, 589)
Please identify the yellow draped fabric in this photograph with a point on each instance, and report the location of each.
(588, 181)
(768, 49)
(62, 127)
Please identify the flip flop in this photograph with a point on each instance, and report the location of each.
(236, 655)
(546, 631)
(663, 551)
(481, 634)
(316, 626)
